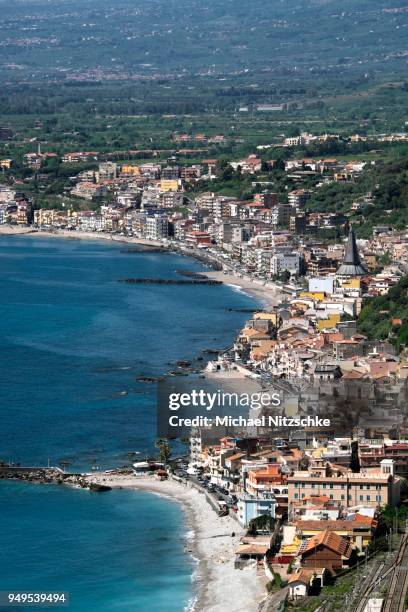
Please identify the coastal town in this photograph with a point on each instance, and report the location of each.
(321, 510)
(204, 272)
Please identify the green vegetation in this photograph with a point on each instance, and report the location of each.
(164, 450)
(264, 522)
(387, 316)
(276, 584)
(391, 517)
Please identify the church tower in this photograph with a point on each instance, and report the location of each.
(351, 265)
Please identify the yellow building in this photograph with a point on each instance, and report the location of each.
(168, 185)
(314, 295)
(351, 283)
(328, 323)
(6, 163)
(129, 169)
(359, 530)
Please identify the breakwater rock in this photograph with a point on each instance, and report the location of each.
(150, 379)
(194, 275)
(245, 310)
(169, 281)
(43, 475)
(143, 249)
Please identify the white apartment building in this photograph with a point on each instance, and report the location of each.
(285, 261)
(157, 227)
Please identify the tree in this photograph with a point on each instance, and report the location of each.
(285, 276)
(354, 461)
(263, 522)
(164, 450)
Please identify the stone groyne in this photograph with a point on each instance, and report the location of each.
(170, 281)
(49, 475)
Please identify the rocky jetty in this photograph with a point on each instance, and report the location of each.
(169, 281)
(142, 249)
(150, 379)
(246, 310)
(43, 475)
(190, 274)
(99, 488)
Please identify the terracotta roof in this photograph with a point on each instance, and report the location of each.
(270, 470)
(330, 540)
(235, 457)
(252, 549)
(335, 525)
(353, 375)
(303, 575)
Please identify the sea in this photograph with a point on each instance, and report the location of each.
(74, 341)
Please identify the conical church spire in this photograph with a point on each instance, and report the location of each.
(351, 265)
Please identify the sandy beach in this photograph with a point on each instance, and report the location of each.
(16, 230)
(218, 585)
(268, 294)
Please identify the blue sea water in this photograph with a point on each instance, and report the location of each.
(73, 339)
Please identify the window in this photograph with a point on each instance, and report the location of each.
(296, 495)
(331, 495)
(331, 485)
(368, 498)
(368, 487)
(324, 485)
(343, 497)
(303, 485)
(296, 485)
(361, 497)
(343, 486)
(378, 498)
(361, 486)
(313, 485)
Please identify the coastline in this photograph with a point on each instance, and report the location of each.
(218, 586)
(268, 295)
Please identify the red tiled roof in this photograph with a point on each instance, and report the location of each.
(330, 540)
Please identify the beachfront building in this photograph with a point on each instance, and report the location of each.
(281, 262)
(261, 480)
(157, 227)
(251, 507)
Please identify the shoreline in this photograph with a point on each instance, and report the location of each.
(217, 585)
(268, 295)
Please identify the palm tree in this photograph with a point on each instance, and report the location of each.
(164, 450)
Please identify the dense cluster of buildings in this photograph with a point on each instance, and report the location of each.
(325, 510)
(323, 515)
(264, 236)
(15, 207)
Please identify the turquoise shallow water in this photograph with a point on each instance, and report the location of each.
(72, 340)
(118, 551)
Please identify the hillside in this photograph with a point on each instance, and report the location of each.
(379, 316)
